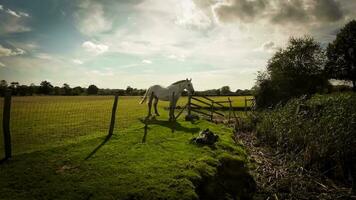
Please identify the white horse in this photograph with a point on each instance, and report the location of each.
(171, 94)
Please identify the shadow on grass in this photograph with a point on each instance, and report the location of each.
(107, 138)
(172, 125)
(176, 125)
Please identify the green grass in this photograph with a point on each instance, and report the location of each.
(52, 136)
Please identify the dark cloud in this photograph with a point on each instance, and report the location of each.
(242, 10)
(290, 12)
(327, 10)
(280, 11)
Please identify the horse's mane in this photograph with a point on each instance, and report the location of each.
(175, 83)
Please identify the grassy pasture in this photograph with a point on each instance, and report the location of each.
(52, 136)
(34, 120)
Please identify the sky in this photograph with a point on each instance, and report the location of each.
(138, 43)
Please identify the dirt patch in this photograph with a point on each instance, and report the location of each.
(231, 180)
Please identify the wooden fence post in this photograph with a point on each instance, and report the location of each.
(230, 108)
(189, 104)
(245, 104)
(212, 111)
(6, 124)
(113, 115)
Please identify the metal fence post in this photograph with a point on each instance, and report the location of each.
(113, 114)
(6, 124)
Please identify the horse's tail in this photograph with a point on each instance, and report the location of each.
(145, 96)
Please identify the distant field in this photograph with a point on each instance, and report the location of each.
(53, 135)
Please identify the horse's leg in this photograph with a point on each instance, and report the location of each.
(155, 105)
(172, 106)
(150, 105)
(170, 110)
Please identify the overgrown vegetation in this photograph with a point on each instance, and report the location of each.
(318, 132)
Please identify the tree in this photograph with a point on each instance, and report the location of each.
(129, 90)
(3, 87)
(341, 55)
(92, 89)
(14, 87)
(66, 89)
(77, 90)
(292, 72)
(225, 90)
(46, 87)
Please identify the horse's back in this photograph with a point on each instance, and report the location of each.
(161, 92)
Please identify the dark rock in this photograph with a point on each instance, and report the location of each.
(206, 137)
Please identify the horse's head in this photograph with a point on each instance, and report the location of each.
(189, 86)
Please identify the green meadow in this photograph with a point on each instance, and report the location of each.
(61, 152)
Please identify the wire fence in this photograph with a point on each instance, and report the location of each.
(45, 122)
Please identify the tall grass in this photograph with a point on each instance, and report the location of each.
(319, 132)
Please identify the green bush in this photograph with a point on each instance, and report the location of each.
(320, 132)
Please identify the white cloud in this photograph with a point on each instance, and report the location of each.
(145, 61)
(91, 18)
(77, 61)
(180, 58)
(100, 73)
(14, 13)
(10, 52)
(269, 47)
(2, 64)
(192, 17)
(95, 48)
(44, 56)
(17, 14)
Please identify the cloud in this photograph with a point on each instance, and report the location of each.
(14, 13)
(180, 58)
(77, 61)
(327, 10)
(95, 48)
(15, 23)
(290, 12)
(192, 17)
(279, 11)
(241, 10)
(269, 47)
(2, 64)
(44, 56)
(145, 61)
(91, 18)
(94, 73)
(10, 52)
(17, 14)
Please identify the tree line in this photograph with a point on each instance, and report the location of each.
(305, 68)
(46, 88)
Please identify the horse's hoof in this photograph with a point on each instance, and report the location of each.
(157, 114)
